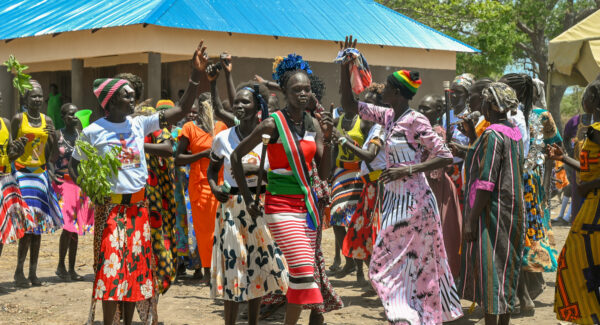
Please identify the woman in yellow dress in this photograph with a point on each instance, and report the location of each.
(577, 297)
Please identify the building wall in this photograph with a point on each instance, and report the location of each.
(175, 76)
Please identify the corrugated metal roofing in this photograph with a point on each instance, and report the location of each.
(332, 20)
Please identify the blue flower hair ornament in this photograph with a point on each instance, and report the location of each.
(290, 63)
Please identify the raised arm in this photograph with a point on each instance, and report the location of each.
(227, 67)
(199, 64)
(349, 102)
(223, 115)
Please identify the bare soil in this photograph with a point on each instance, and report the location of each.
(187, 302)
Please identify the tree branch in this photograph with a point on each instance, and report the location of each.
(530, 51)
(584, 14)
(525, 29)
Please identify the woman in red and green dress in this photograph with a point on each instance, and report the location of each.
(290, 204)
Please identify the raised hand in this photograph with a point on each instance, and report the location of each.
(348, 43)
(200, 59)
(226, 62)
(212, 72)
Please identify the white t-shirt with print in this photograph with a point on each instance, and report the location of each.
(224, 144)
(129, 135)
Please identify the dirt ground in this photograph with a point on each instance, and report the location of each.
(187, 302)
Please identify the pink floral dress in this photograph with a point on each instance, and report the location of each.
(409, 268)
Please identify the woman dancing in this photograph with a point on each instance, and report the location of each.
(246, 263)
(409, 269)
(290, 204)
(122, 252)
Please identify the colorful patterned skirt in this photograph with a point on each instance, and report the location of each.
(77, 211)
(123, 255)
(181, 222)
(410, 273)
(364, 226)
(540, 253)
(297, 242)
(345, 194)
(577, 297)
(162, 213)
(41, 200)
(246, 263)
(15, 218)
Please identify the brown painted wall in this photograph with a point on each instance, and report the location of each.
(175, 76)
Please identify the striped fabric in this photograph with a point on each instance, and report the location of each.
(105, 88)
(490, 266)
(41, 200)
(15, 218)
(297, 242)
(299, 168)
(345, 194)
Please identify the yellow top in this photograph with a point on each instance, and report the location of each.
(4, 137)
(589, 158)
(344, 154)
(34, 157)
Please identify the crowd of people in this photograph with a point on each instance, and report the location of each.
(445, 201)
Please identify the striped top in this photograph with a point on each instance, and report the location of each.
(408, 139)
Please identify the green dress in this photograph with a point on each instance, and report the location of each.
(54, 104)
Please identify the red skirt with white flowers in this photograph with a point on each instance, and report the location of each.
(123, 254)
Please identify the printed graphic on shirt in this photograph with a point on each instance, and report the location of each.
(130, 153)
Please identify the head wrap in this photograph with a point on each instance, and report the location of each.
(523, 86)
(466, 80)
(503, 97)
(264, 108)
(408, 82)
(164, 104)
(290, 63)
(105, 88)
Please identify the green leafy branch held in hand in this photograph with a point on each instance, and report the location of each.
(95, 171)
(21, 80)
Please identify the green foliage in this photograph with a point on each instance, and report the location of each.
(486, 25)
(96, 170)
(571, 103)
(21, 79)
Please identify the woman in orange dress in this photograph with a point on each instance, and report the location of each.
(194, 147)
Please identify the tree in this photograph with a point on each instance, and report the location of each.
(486, 25)
(506, 32)
(539, 21)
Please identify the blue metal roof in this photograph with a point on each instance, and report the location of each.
(367, 20)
